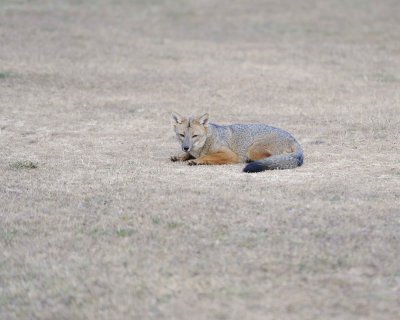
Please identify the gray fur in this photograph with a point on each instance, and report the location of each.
(239, 137)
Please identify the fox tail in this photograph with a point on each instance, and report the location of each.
(283, 161)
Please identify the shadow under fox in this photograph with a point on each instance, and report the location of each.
(261, 146)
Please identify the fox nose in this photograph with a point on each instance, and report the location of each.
(185, 148)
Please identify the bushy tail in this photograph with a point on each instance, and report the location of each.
(283, 161)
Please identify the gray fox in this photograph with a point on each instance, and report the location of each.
(261, 146)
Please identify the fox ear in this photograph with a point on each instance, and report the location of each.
(203, 119)
(177, 117)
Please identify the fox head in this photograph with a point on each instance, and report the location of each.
(191, 131)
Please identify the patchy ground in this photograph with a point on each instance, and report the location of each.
(96, 223)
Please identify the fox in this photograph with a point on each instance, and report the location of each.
(261, 146)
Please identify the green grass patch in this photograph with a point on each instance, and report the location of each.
(387, 77)
(122, 233)
(23, 164)
(156, 220)
(173, 224)
(7, 236)
(125, 233)
(4, 75)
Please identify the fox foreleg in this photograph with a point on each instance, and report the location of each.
(181, 157)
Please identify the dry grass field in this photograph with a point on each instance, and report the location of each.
(97, 223)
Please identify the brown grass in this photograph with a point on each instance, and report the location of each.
(106, 227)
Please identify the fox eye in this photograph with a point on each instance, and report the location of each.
(182, 135)
(194, 136)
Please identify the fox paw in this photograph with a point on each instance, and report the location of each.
(192, 163)
(174, 158)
